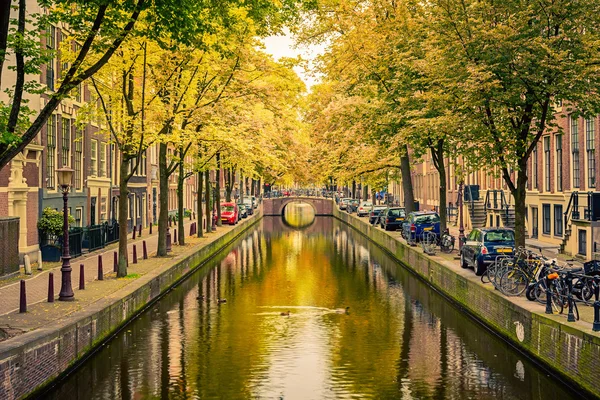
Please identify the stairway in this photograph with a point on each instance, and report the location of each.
(508, 220)
(477, 213)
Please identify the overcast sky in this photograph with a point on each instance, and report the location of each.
(283, 46)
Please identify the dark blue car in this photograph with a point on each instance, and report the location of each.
(417, 223)
(481, 247)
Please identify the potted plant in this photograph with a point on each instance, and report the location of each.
(50, 226)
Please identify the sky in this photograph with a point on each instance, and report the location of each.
(283, 46)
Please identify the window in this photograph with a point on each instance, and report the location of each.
(559, 186)
(50, 45)
(591, 151)
(66, 142)
(558, 220)
(78, 157)
(78, 216)
(102, 169)
(575, 150)
(51, 152)
(547, 162)
(582, 245)
(546, 219)
(534, 168)
(94, 157)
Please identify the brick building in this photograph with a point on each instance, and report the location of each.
(562, 181)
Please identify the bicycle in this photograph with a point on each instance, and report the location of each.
(429, 242)
(447, 242)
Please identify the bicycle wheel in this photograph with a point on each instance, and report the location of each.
(513, 282)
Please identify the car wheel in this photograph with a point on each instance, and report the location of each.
(463, 262)
(479, 268)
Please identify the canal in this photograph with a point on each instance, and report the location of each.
(399, 339)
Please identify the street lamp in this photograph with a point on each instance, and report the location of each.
(214, 210)
(65, 177)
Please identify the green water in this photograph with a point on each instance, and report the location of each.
(399, 340)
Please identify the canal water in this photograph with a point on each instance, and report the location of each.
(399, 339)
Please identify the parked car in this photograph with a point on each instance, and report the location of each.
(481, 247)
(419, 222)
(352, 206)
(343, 203)
(249, 205)
(364, 208)
(230, 213)
(374, 214)
(392, 218)
(243, 210)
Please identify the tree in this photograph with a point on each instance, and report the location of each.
(508, 63)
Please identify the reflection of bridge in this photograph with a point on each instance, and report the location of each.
(275, 206)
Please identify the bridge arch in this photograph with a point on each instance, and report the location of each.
(276, 206)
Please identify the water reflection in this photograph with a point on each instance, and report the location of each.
(298, 215)
(400, 340)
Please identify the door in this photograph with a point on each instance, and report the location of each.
(534, 223)
(93, 211)
(471, 245)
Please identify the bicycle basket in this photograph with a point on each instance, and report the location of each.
(591, 267)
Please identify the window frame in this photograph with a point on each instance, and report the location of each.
(546, 144)
(66, 142)
(558, 220)
(546, 219)
(559, 163)
(94, 157)
(51, 152)
(576, 167)
(590, 147)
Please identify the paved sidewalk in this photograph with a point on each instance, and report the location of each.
(37, 285)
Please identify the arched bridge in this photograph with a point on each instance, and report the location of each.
(275, 206)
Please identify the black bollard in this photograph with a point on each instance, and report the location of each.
(134, 227)
(115, 262)
(50, 287)
(22, 298)
(570, 315)
(168, 240)
(170, 222)
(175, 236)
(140, 231)
(191, 229)
(144, 250)
(190, 216)
(134, 254)
(100, 272)
(151, 229)
(194, 215)
(81, 277)
(596, 325)
(549, 296)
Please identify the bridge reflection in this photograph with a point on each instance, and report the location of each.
(298, 215)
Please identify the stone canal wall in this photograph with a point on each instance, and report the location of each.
(32, 360)
(572, 351)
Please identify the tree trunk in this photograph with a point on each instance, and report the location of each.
(123, 197)
(242, 187)
(199, 232)
(519, 195)
(353, 189)
(4, 25)
(218, 189)
(180, 210)
(163, 198)
(438, 157)
(407, 186)
(207, 200)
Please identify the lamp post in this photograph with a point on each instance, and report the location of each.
(214, 209)
(65, 176)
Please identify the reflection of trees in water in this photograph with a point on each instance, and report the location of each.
(397, 327)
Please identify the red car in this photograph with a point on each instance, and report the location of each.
(229, 213)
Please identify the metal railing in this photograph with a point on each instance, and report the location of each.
(496, 200)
